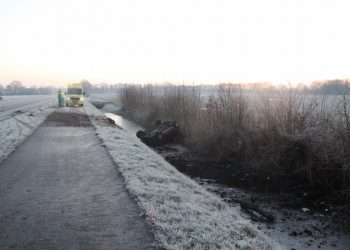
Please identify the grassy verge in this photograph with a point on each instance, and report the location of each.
(14, 130)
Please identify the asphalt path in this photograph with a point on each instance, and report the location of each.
(12, 105)
(61, 190)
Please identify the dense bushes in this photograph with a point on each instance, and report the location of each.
(278, 135)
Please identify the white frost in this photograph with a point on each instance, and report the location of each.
(182, 213)
(15, 130)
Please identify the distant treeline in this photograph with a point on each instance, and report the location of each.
(101, 88)
(331, 87)
(17, 88)
(326, 87)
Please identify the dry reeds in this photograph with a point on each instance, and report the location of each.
(276, 133)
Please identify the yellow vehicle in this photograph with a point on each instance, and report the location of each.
(74, 95)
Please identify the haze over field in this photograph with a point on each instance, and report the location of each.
(55, 42)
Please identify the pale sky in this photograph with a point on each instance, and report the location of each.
(200, 41)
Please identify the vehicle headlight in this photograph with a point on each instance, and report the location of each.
(81, 98)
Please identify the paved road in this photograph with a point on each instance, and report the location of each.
(61, 190)
(9, 105)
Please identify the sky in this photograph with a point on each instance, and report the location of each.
(184, 41)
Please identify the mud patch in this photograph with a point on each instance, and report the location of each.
(295, 221)
(293, 227)
(68, 119)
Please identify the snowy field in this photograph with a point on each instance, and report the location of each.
(18, 127)
(182, 213)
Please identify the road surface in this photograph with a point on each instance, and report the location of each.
(61, 190)
(12, 105)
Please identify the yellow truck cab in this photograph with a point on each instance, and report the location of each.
(74, 95)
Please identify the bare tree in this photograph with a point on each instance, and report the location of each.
(87, 86)
(14, 87)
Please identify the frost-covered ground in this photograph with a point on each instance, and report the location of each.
(17, 128)
(182, 213)
(24, 103)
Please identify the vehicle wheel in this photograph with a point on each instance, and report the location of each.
(140, 134)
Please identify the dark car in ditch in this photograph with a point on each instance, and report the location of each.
(163, 132)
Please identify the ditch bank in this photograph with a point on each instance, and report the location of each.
(293, 217)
